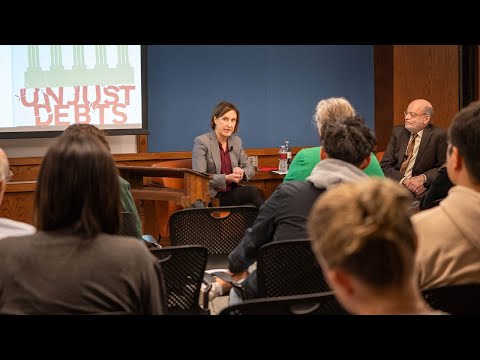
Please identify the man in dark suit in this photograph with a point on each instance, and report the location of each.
(417, 150)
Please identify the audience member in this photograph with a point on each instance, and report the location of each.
(306, 159)
(448, 237)
(364, 241)
(128, 204)
(10, 227)
(75, 263)
(220, 154)
(416, 150)
(438, 190)
(346, 148)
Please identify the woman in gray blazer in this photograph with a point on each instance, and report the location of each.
(220, 154)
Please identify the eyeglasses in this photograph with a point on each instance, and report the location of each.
(412, 114)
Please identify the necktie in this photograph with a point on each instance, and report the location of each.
(408, 154)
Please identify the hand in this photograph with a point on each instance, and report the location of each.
(415, 184)
(239, 171)
(233, 178)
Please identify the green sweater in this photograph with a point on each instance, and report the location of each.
(306, 159)
(128, 204)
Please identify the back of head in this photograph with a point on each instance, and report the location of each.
(365, 229)
(221, 109)
(347, 139)
(4, 166)
(464, 133)
(332, 109)
(4, 173)
(78, 188)
(87, 129)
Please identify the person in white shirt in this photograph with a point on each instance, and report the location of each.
(9, 227)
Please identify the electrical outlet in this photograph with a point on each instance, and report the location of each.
(253, 161)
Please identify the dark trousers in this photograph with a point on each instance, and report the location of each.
(241, 195)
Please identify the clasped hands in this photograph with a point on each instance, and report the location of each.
(236, 176)
(415, 184)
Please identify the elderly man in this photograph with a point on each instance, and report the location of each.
(417, 150)
(10, 227)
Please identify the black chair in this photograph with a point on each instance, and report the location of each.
(289, 267)
(128, 227)
(183, 269)
(219, 229)
(461, 299)
(310, 304)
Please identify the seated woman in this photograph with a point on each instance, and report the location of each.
(75, 263)
(220, 154)
(331, 109)
(365, 243)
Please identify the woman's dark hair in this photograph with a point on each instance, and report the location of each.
(221, 109)
(87, 129)
(78, 188)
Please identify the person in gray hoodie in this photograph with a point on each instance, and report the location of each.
(448, 238)
(346, 148)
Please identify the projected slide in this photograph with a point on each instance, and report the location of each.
(49, 87)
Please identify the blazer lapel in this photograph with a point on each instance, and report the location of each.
(233, 156)
(404, 138)
(427, 134)
(215, 151)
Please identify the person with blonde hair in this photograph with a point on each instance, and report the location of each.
(306, 159)
(362, 236)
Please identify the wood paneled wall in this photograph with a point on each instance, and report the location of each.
(407, 72)
(18, 200)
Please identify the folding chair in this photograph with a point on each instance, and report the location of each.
(461, 299)
(183, 269)
(289, 267)
(310, 304)
(219, 229)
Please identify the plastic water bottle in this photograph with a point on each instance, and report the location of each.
(289, 153)
(282, 160)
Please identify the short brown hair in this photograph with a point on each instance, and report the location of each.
(221, 109)
(78, 188)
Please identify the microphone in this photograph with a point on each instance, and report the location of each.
(230, 148)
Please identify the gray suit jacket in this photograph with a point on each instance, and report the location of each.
(206, 159)
(431, 153)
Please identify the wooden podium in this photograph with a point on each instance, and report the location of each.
(145, 192)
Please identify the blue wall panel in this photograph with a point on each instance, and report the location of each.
(275, 87)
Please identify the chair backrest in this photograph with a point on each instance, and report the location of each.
(461, 299)
(289, 267)
(128, 224)
(310, 304)
(219, 229)
(183, 269)
(176, 183)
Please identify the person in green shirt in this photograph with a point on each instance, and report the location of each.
(306, 159)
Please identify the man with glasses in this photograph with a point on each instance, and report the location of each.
(448, 239)
(416, 150)
(10, 227)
